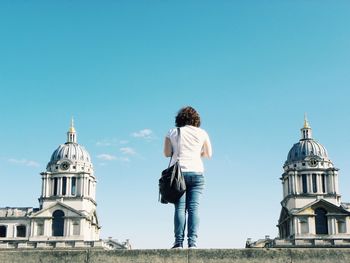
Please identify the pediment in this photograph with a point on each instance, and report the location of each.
(48, 211)
(284, 214)
(329, 207)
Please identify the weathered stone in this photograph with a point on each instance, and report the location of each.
(282, 255)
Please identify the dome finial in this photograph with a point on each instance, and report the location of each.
(306, 123)
(71, 134)
(306, 132)
(72, 129)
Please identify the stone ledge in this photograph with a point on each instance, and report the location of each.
(281, 255)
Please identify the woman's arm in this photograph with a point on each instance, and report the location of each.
(206, 149)
(167, 147)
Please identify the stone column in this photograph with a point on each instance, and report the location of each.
(68, 227)
(332, 229)
(42, 186)
(330, 182)
(86, 184)
(94, 193)
(82, 185)
(319, 184)
(335, 176)
(69, 180)
(289, 186)
(292, 189)
(296, 226)
(47, 192)
(31, 232)
(312, 225)
(297, 183)
(44, 228)
(309, 183)
(59, 184)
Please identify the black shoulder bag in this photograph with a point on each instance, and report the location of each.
(172, 183)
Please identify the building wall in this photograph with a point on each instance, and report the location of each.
(11, 225)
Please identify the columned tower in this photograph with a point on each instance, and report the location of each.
(311, 205)
(69, 182)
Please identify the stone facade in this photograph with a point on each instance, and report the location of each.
(312, 214)
(67, 215)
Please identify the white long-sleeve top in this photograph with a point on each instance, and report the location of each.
(194, 143)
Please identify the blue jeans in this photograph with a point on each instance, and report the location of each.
(189, 203)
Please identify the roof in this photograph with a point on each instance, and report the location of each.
(13, 212)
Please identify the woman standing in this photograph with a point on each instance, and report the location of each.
(192, 144)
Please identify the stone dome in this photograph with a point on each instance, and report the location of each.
(70, 156)
(71, 151)
(306, 148)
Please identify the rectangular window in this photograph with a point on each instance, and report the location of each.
(21, 231)
(74, 186)
(304, 183)
(64, 185)
(76, 229)
(323, 177)
(55, 186)
(341, 226)
(3, 231)
(304, 226)
(40, 229)
(314, 183)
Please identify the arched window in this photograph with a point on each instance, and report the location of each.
(3, 231)
(321, 221)
(21, 230)
(58, 223)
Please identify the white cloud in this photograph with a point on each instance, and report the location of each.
(145, 134)
(110, 142)
(103, 143)
(106, 157)
(24, 162)
(127, 151)
(124, 159)
(109, 157)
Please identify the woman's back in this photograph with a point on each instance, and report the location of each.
(193, 144)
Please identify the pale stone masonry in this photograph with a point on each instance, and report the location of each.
(295, 255)
(312, 214)
(66, 217)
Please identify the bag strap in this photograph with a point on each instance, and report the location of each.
(178, 149)
(178, 142)
(178, 146)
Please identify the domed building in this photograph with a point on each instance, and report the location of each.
(312, 214)
(67, 214)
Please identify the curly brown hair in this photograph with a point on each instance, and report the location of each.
(187, 116)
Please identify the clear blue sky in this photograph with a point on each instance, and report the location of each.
(124, 68)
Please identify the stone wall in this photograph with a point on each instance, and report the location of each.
(296, 255)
